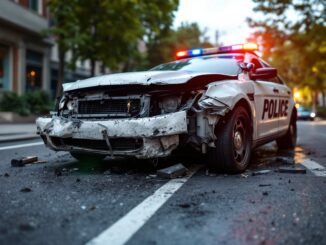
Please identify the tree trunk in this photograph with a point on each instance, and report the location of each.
(93, 63)
(61, 76)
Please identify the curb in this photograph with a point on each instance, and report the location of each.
(18, 138)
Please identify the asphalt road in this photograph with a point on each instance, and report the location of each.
(64, 201)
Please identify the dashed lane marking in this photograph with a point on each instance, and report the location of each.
(120, 232)
(314, 167)
(20, 146)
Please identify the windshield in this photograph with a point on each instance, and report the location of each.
(225, 64)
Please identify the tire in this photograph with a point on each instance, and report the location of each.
(233, 144)
(87, 157)
(289, 140)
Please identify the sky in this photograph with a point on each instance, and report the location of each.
(226, 16)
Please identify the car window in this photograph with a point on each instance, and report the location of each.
(225, 64)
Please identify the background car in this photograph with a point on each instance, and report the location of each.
(306, 113)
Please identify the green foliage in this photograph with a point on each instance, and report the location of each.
(10, 101)
(296, 46)
(164, 47)
(109, 30)
(35, 102)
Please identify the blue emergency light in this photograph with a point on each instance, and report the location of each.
(223, 49)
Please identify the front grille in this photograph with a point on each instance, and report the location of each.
(109, 107)
(117, 144)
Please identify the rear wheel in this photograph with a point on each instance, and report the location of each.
(86, 157)
(233, 144)
(289, 140)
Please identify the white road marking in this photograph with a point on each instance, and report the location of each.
(20, 146)
(314, 167)
(120, 232)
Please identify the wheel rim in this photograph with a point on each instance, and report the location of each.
(240, 141)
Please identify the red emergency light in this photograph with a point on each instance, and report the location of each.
(250, 47)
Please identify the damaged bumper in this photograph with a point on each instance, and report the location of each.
(142, 137)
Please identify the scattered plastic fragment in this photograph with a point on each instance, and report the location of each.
(173, 171)
(20, 162)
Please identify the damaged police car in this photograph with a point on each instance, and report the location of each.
(222, 102)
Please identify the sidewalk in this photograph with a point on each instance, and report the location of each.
(15, 132)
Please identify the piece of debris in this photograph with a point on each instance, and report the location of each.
(264, 185)
(77, 180)
(265, 193)
(184, 205)
(40, 161)
(26, 189)
(289, 181)
(20, 162)
(6, 175)
(173, 171)
(27, 226)
(244, 176)
(285, 160)
(293, 169)
(57, 172)
(261, 172)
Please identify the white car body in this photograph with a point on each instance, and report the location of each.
(212, 97)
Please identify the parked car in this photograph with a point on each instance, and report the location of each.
(305, 113)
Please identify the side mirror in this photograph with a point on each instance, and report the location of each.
(264, 73)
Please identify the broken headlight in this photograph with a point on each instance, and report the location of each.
(70, 105)
(170, 104)
(62, 103)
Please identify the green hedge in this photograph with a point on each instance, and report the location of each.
(31, 103)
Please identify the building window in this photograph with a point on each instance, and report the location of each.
(4, 67)
(33, 5)
(34, 67)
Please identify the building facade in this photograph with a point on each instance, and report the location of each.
(28, 61)
(24, 53)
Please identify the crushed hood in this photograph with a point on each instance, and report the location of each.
(134, 78)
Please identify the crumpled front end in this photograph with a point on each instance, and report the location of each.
(144, 121)
(147, 137)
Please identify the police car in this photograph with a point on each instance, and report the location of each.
(222, 102)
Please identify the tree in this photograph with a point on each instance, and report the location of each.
(108, 31)
(113, 29)
(295, 45)
(65, 31)
(164, 47)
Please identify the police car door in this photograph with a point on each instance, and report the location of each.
(266, 98)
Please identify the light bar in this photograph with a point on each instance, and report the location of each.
(250, 47)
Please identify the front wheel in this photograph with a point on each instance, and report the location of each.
(233, 144)
(289, 140)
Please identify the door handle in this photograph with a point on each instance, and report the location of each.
(275, 90)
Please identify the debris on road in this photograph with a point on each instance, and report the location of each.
(6, 175)
(57, 172)
(264, 185)
(27, 226)
(285, 160)
(184, 205)
(26, 189)
(173, 171)
(20, 162)
(244, 176)
(265, 193)
(293, 169)
(261, 172)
